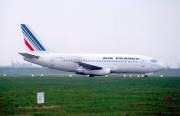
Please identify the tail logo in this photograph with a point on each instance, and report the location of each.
(30, 40)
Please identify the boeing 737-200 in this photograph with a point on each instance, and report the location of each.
(86, 64)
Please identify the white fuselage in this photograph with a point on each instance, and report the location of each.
(117, 63)
(86, 64)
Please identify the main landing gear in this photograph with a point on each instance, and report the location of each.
(145, 76)
(91, 75)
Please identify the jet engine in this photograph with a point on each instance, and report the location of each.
(99, 72)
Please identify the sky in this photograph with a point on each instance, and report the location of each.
(140, 27)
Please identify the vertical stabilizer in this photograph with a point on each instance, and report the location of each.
(32, 42)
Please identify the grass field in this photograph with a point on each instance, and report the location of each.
(90, 96)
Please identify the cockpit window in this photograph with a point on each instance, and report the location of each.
(153, 60)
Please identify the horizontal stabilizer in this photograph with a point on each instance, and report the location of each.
(29, 55)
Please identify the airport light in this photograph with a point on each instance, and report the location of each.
(142, 75)
(42, 75)
(161, 76)
(87, 75)
(138, 76)
(124, 75)
(130, 76)
(106, 76)
(70, 75)
(4, 75)
(32, 75)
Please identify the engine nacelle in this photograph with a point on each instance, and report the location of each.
(99, 72)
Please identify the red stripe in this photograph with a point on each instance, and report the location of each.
(28, 45)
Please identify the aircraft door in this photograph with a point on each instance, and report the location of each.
(143, 63)
(52, 62)
(114, 69)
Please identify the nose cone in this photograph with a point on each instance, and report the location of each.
(161, 66)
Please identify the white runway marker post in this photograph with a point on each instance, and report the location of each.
(40, 99)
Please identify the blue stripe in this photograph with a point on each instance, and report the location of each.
(34, 46)
(32, 37)
(31, 40)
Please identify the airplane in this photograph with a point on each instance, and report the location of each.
(86, 64)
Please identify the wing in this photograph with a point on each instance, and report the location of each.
(89, 66)
(29, 55)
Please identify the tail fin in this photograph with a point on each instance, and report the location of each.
(32, 42)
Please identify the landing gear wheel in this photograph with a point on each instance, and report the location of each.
(145, 76)
(91, 75)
